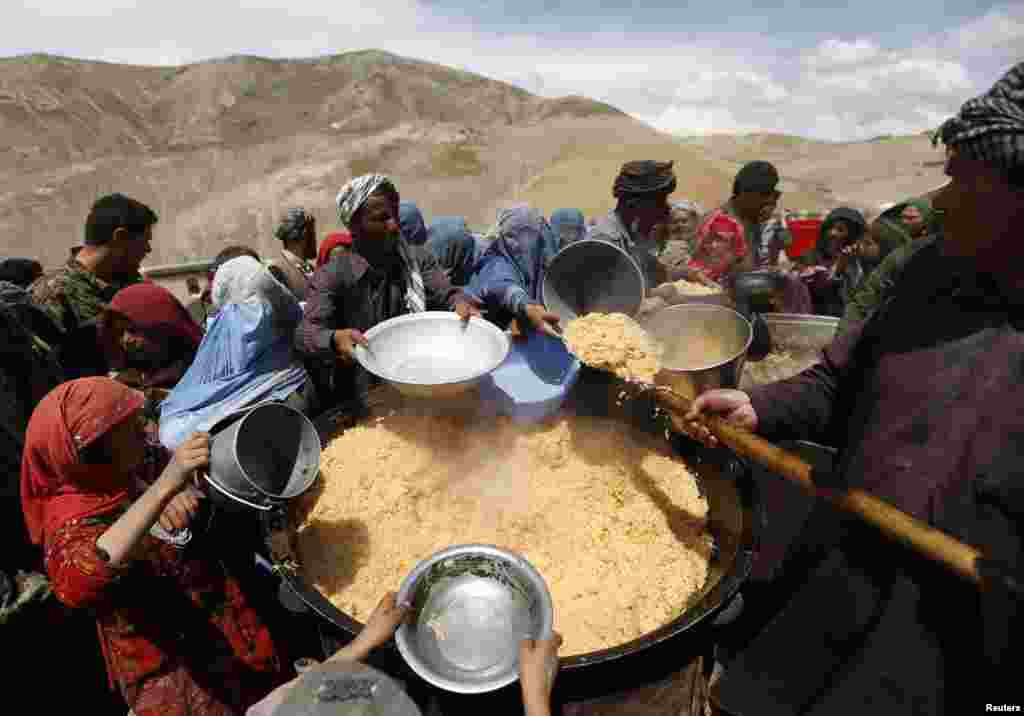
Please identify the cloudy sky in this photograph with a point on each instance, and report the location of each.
(830, 70)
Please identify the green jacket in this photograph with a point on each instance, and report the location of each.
(74, 298)
(874, 289)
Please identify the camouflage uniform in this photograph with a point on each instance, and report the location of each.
(74, 298)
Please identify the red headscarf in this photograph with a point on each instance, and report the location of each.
(333, 241)
(153, 309)
(718, 226)
(55, 485)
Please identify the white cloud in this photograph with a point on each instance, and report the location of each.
(834, 52)
(995, 30)
(841, 88)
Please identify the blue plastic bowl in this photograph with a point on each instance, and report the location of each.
(533, 381)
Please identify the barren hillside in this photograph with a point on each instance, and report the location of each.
(219, 148)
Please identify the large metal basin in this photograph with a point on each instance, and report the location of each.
(734, 519)
(434, 354)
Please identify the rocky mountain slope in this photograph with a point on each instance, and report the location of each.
(220, 148)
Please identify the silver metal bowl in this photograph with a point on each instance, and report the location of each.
(797, 338)
(705, 346)
(433, 354)
(591, 276)
(471, 607)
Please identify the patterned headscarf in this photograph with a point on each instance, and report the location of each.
(354, 194)
(351, 197)
(990, 128)
(292, 225)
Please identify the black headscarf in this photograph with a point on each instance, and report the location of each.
(757, 177)
(854, 221)
(642, 177)
(20, 272)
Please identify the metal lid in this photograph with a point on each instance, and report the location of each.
(346, 688)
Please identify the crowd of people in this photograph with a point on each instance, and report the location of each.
(110, 386)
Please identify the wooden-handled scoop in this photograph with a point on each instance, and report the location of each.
(928, 541)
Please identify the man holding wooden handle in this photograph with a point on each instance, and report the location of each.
(926, 400)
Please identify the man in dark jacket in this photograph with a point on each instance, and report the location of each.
(924, 400)
(380, 278)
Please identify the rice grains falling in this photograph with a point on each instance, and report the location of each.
(616, 343)
(614, 522)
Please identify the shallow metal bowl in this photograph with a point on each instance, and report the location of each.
(471, 606)
(433, 354)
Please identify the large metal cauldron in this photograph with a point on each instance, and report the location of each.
(735, 521)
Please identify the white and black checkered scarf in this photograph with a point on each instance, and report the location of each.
(990, 128)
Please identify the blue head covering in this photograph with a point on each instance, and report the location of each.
(525, 238)
(569, 225)
(509, 275)
(454, 248)
(245, 357)
(411, 220)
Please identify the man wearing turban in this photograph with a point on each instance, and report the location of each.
(923, 400)
(382, 277)
(296, 231)
(639, 222)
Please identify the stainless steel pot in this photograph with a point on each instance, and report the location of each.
(592, 276)
(263, 456)
(723, 334)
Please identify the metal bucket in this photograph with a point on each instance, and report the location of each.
(705, 346)
(264, 455)
(592, 276)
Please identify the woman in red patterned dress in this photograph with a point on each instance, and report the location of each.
(177, 634)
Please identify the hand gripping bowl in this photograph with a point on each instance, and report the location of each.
(434, 354)
(471, 606)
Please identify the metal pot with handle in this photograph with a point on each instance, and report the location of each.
(262, 456)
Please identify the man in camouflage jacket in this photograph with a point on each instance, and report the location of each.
(118, 233)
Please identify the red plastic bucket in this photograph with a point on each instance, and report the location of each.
(805, 235)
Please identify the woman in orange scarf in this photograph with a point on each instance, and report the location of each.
(177, 634)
